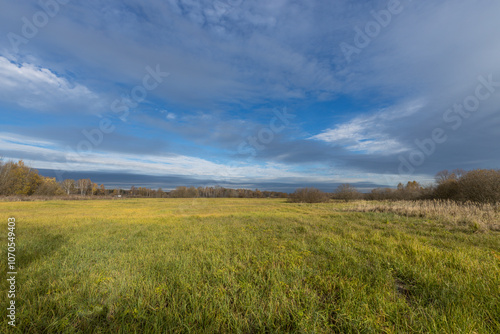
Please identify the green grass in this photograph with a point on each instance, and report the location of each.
(245, 266)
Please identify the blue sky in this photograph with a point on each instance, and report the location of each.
(269, 94)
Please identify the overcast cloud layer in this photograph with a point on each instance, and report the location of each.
(251, 93)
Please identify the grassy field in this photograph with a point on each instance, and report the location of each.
(246, 266)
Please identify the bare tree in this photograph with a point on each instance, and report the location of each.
(5, 178)
(84, 186)
(68, 186)
(347, 192)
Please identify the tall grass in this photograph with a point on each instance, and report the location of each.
(474, 215)
(72, 197)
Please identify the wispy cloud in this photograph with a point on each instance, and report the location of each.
(56, 157)
(53, 156)
(368, 133)
(39, 89)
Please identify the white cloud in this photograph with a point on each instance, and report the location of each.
(368, 133)
(51, 155)
(39, 89)
(171, 116)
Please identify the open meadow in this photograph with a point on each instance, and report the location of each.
(246, 266)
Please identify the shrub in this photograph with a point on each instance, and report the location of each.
(308, 195)
(347, 193)
(480, 185)
(448, 189)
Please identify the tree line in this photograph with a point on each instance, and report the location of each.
(479, 185)
(18, 179)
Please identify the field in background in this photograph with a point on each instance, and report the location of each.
(248, 266)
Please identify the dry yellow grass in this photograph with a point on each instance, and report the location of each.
(473, 215)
